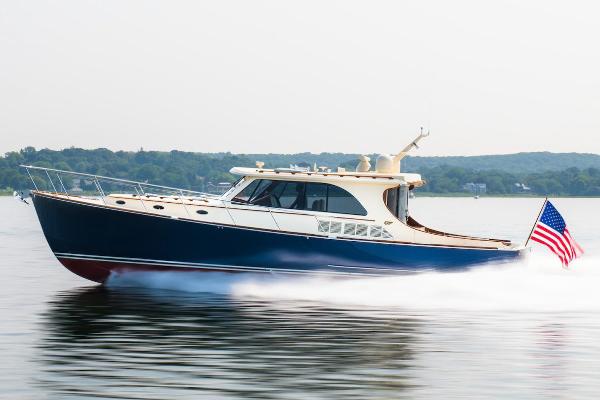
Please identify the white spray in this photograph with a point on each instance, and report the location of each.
(537, 284)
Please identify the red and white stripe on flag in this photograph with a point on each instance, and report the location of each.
(551, 230)
(559, 244)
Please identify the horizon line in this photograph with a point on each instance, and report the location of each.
(290, 154)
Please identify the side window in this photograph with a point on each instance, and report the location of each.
(301, 196)
(293, 196)
(342, 202)
(260, 190)
(267, 194)
(316, 196)
(244, 195)
(396, 200)
(280, 194)
(391, 200)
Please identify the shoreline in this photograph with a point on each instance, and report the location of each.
(515, 196)
(9, 193)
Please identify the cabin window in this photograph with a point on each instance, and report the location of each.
(301, 196)
(391, 200)
(202, 212)
(244, 195)
(341, 202)
(267, 194)
(120, 202)
(396, 200)
(316, 196)
(293, 195)
(159, 207)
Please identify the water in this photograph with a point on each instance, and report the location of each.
(523, 330)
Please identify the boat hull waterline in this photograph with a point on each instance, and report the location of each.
(94, 241)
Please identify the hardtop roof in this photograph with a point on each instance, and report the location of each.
(320, 176)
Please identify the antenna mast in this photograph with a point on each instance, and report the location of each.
(414, 144)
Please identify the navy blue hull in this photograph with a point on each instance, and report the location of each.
(92, 241)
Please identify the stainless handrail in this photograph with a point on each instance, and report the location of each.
(178, 193)
(95, 178)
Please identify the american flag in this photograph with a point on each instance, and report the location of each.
(551, 231)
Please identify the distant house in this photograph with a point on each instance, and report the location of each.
(76, 186)
(521, 188)
(475, 188)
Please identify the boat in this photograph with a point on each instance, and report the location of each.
(282, 220)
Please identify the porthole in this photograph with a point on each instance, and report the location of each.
(159, 207)
(120, 202)
(202, 212)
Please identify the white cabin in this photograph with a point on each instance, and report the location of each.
(359, 205)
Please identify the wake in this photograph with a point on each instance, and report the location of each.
(535, 284)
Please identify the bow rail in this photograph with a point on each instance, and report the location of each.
(140, 188)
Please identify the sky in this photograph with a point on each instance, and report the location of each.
(293, 76)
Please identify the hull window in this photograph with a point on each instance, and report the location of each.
(353, 229)
(376, 231)
(361, 230)
(349, 229)
(323, 226)
(336, 227)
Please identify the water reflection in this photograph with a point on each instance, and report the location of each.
(162, 344)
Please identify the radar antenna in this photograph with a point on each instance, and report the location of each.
(413, 144)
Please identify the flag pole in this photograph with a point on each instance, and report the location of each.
(536, 221)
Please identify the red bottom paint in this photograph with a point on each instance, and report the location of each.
(99, 271)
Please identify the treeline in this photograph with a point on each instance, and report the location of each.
(194, 170)
(515, 163)
(569, 182)
(176, 168)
